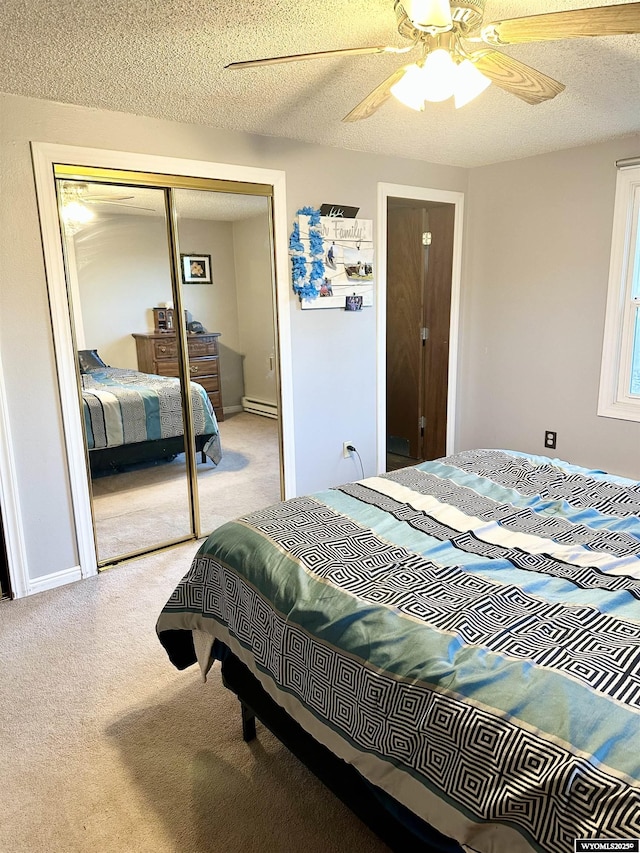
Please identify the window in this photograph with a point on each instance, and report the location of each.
(620, 376)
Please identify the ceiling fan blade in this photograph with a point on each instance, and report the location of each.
(321, 54)
(119, 204)
(620, 19)
(375, 99)
(108, 197)
(515, 77)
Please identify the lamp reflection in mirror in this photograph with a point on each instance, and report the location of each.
(439, 78)
(74, 215)
(73, 211)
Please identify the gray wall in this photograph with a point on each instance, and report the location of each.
(328, 408)
(536, 264)
(123, 270)
(254, 283)
(216, 305)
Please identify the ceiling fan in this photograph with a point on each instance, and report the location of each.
(80, 193)
(451, 64)
(76, 200)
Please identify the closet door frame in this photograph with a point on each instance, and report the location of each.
(45, 156)
(10, 506)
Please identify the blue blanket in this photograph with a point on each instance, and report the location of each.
(465, 632)
(124, 407)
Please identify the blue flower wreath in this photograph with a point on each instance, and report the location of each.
(307, 273)
(295, 243)
(299, 272)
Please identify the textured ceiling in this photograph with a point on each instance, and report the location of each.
(165, 58)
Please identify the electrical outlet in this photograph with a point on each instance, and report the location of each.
(550, 439)
(345, 452)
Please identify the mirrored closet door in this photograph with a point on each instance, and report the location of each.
(168, 279)
(118, 265)
(226, 273)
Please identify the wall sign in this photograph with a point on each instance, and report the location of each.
(344, 211)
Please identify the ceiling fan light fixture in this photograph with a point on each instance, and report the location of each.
(432, 16)
(439, 77)
(409, 88)
(469, 83)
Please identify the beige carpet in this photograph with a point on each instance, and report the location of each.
(144, 507)
(106, 747)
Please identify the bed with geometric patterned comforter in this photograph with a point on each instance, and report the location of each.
(126, 407)
(465, 633)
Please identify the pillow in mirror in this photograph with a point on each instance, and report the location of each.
(88, 359)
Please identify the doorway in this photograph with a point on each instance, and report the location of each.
(419, 249)
(419, 268)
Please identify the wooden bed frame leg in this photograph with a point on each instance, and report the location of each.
(248, 723)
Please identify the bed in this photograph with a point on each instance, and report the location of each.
(132, 417)
(460, 640)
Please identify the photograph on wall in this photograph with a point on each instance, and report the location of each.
(332, 255)
(353, 303)
(358, 263)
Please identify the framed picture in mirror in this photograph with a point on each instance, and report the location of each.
(196, 269)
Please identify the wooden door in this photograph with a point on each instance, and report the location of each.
(405, 284)
(437, 321)
(418, 327)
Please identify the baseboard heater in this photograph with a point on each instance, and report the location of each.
(260, 407)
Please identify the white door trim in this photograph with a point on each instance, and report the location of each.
(10, 504)
(45, 155)
(422, 194)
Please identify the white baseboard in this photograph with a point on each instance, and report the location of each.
(54, 580)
